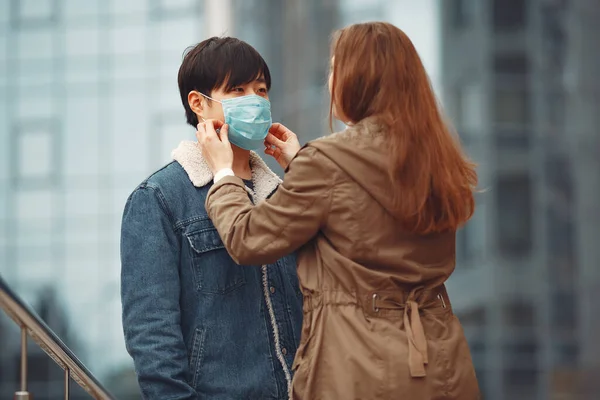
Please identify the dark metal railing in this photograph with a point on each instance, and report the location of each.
(34, 327)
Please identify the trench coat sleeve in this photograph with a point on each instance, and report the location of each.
(262, 234)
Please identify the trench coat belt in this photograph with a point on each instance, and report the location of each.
(417, 342)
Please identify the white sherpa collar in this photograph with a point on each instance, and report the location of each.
(188, 155)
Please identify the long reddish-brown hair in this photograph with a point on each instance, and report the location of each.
(378, 73)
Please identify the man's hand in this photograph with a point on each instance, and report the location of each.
(281, 144)
(215, 148)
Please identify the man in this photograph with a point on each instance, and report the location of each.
(196, 324)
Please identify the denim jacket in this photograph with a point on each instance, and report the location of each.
(196, 324)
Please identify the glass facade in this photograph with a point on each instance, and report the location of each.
(526, 266)
(89, 106)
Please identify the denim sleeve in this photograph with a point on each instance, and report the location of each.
(150, 290)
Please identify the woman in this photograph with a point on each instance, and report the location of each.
(373, 211)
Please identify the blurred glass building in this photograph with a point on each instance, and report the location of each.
(89, 106)
(520, 83)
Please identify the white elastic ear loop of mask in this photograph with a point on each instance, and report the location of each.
(208, 97)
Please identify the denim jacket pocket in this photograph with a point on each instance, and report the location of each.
(212, 268)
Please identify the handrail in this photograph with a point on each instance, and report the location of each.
(33, 326)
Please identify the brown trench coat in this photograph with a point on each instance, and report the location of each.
(377, 320)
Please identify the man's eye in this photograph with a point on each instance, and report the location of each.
(237, 89)
(263, 90)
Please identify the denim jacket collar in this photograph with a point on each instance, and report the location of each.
(190, 158)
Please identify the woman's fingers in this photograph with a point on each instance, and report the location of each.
(215, 147)
(279, 131)
(277, 127)
(207, 130)
(217, 124)
(273, 152)
(271, 139)
(200, 132)
(224, 134)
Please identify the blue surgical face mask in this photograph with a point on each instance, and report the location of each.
(249, 120)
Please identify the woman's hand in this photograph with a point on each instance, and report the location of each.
(281, 144)
(216, 148)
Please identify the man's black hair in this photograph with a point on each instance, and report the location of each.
(219, 62)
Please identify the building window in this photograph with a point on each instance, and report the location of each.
(514, 64)
(519, 315)
(521, 352)
(559, 214)
(566, 353)
(468, 111)
(165, 9)
(564, 311)
(520, 382)
(129, 7)
(511, 104)
(509, 14)
(462, 247)
(5, 17)
(37, 45)
(513, 196)
(34, 13)
(512, 112)
(474, 322)
(461, 13)
(35, 155)
(473, 237)
(76, 9)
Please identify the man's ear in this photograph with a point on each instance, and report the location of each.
(196, 102)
